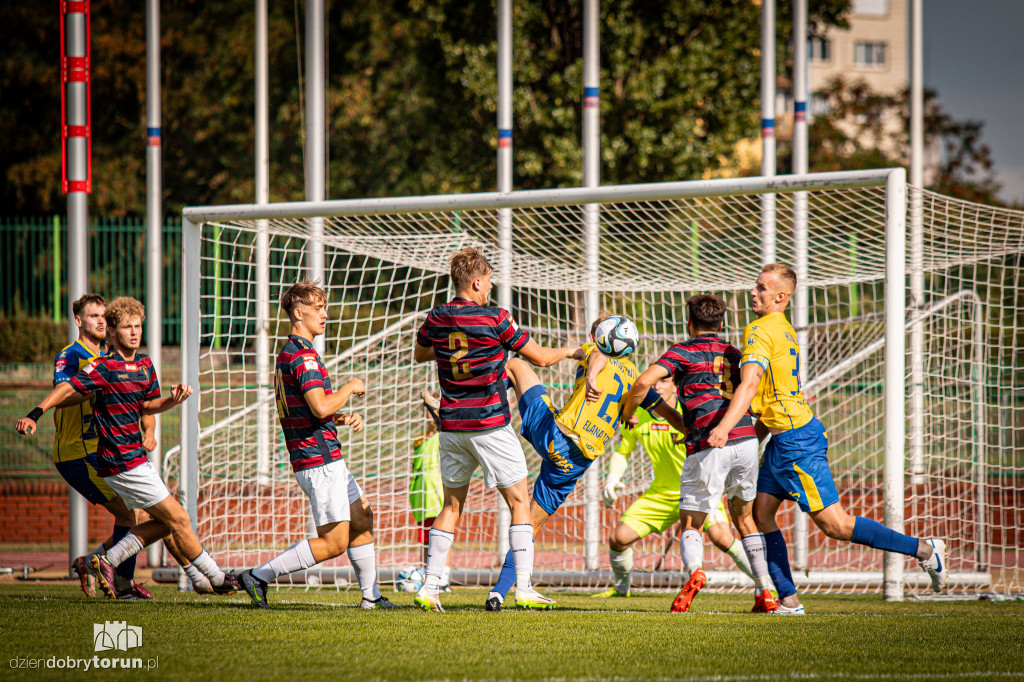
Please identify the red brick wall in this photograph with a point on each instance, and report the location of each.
(37, 512)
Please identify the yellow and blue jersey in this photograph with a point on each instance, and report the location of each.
(771, 343)
(592, 425)
(76, 435)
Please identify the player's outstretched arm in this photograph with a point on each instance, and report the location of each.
(596, 363)
(423, 353)
(148, 423)
(353, 420)
(540, 356)
(63, 395)
(671, 414)
(750, 377)
(323, 406)
(644, 383)
(177, 396)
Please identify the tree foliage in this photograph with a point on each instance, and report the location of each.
(411, 96)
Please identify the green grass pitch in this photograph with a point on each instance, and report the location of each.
(319, 634)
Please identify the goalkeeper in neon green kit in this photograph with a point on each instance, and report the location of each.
(658, 508)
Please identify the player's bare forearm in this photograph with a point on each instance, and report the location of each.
(177, 396)
(750, 377)
(596, 363)
(644, 383)
(539, 356)
(423, 353)
(62, 392)
(148, 423)
(323, 406)
(670, 414)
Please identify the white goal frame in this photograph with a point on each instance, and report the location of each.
(894, 393)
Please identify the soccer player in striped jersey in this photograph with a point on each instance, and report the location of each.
(470, 341)
(705, 369)
(795, 464)
(658, 508)
(308, 407)
(124, 387)
(569, 439)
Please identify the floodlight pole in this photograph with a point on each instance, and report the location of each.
(263, 383)
(916, 246)
(316, 157)
(76, 138)
(154, 232)
(591, 247)
(768, 127)
(801, 311)
(505, 214)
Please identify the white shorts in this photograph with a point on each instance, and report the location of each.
(709, 473)
(140, 488)
(497, 451)
(331, 490)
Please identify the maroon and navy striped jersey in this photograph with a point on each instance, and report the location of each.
(706, 370)
(311, 441)
(471, 343)
(120, 387)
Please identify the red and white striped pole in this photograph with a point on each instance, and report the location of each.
(76, 153)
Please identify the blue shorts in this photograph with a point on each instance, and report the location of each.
(562, 462)
(795, 467)
(81, 475)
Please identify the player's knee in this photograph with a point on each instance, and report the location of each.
(362, 519)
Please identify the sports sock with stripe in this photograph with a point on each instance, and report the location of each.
(437, 554)
(520, 539)
(295, 558)
(208, 567)
(364, 563)
(126, 569)
(753, 545)
(124, 549)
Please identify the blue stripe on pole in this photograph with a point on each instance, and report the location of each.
(768, 123)
(800, 106)
(591, 92)
(504, 137)
(152, 132)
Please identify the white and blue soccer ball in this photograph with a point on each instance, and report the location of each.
(410, 580)
(616, 336)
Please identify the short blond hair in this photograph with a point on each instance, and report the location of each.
(124, 308)
(600, 318)
(305, 292)
(783, 272)
(467, 265)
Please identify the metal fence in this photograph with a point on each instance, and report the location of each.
(32, 250)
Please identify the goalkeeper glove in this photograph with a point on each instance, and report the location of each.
(613, 485)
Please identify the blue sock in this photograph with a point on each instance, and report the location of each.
(873, 534)
(508, 576)
(126, 569)
(778, 563)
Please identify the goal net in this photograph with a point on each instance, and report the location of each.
(386, 265)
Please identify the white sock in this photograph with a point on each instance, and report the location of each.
(130, 545)
(208, 567)
(364, 563)
(739, 555)
(195, 576)
(446, 576)
(691, 547)
(99, 550)
(295, 558)
(520, 539)
(756, 553)
(622, 566)
(437, 556)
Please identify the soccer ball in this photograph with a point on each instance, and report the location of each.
(410, 580)
(616, 336)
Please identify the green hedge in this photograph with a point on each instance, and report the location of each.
(28, 339)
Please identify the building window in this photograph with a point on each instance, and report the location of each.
(819, 105)
(869, 54)
(871, 8)
(819, 50)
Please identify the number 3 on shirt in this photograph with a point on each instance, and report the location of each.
(458, 342)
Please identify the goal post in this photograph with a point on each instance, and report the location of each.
(386, 265)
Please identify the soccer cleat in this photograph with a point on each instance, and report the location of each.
(105, 573)
(85, 575)
(789, 611)
(610, 593)
(697, 581)
(493, 603)
(229, 586)
(765, 602)
(532, 599)
(136, 593)
(382, 603)
(255, 588)
(428, 601)
(935, 565)
(433, 406)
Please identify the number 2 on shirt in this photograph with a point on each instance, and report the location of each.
(609, 400)
(458, 342)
